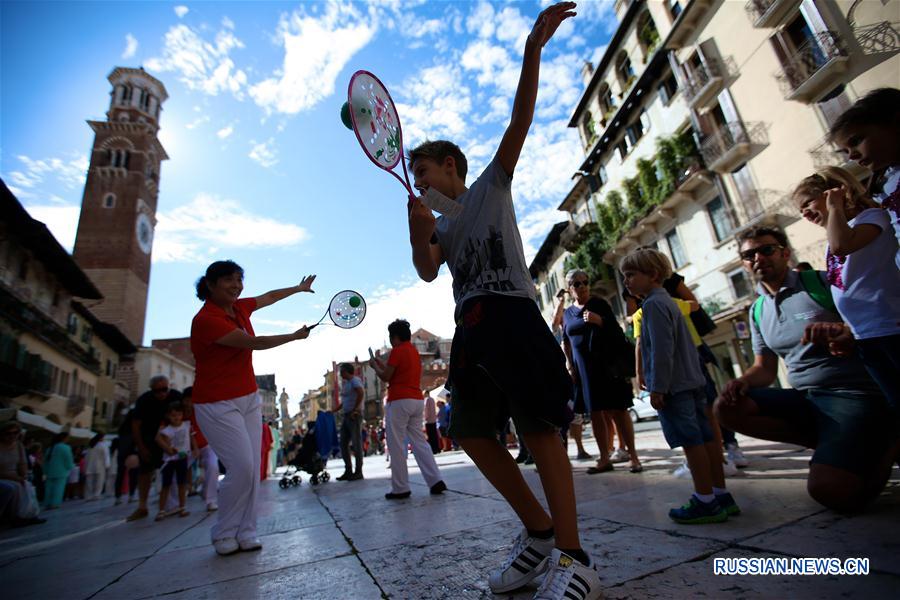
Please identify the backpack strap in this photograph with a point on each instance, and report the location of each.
(757, 309)
(817, 290)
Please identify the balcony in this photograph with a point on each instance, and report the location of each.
(702, 84)
(769, 13)
(731, 145)
(75, 405)
(686, 24)
(815, 68)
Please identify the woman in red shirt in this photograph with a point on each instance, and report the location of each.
(403, 413)
(225, 397)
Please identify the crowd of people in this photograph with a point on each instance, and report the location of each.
(837, 333)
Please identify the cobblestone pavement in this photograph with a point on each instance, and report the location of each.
(343, 540)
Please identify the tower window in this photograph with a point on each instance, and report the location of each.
(109, 201)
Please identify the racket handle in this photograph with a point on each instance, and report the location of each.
(311, 327)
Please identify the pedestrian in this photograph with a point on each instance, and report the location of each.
(177, 445)
(351, 402)
(96, 465)
(832, 405)
(864, 278)
(504, 360)
(431, 430)
(403, 413)
(21, 501)
(869, 133)
(601, 363)
(126, 454)
(671, 370)
(36, 463)
(225, 395)
(58, 463)
(146, 418)
(443, 422)
(208, 459)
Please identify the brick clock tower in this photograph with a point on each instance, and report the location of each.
(118, 211)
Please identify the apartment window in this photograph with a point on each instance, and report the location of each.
(668, 88)
(72, 324)
(834, 107)
(740, 283)
(87, 334)
(63, 389)
(624, 71)
(676, 249)
(747, 192)
(624, 148)
(607, 104)
(108, 368)
(674, 8)
(720, 217)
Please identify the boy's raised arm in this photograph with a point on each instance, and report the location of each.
(526, 92)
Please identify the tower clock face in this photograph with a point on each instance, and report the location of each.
(144, 231)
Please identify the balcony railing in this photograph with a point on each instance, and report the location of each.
(702, 83)
(731, 145)
(810, 71)
(878, 38)
(769, 13)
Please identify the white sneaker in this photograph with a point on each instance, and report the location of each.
(212, 506)
(619, 456)
(250, 544)
(736, 456)
(729, 469)
(526, 560)
(682, 472)
(226, 546)
(567, 578)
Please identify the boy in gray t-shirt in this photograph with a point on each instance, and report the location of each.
(504, 360)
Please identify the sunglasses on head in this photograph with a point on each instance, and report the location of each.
(767, 250)
(579, 283)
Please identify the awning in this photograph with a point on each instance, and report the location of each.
(38, 422)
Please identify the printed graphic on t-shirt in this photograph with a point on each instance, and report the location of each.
(484, 265)
(835, 270)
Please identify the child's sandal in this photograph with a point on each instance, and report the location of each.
(183, 512)
(161, 515)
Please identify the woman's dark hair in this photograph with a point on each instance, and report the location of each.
(400, 330)
(59, 438)
(95, 440)
(176, 406)
(214, 272)
(187, 392)
(347, 368)
(878, 107)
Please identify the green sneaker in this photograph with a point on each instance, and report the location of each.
(696, 512)
(726, 501)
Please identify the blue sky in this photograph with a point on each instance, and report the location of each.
(261, 170)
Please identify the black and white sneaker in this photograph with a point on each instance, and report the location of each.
(568, 579)
(526, 560)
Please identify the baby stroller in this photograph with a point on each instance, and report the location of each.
(308, 460)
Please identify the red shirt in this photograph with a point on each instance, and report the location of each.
(198, 435)
(222, 372)
(404, 383)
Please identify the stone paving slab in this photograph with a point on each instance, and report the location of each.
(51, 579)
(343, 578)
(874, 534)
(192, 567)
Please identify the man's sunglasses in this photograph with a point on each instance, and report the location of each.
(767, 250)
(578, 284)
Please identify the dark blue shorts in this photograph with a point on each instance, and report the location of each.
(683, 419)
(176, 468)
(851, 431)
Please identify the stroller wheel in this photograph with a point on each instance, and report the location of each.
(283, 484)
(296, 480)
(325, 476)
(314, 480)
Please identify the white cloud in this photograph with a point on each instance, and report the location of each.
(225, 132)
(514, 27)
(191, 233)
(435, 104)
(197, 122)
(264, 153)
(70, 172)
(131, 46)
(62, 221)
(181, 11)
(203, 65)
(481, 20)
(300, 365)
(534, 228)
(227, 23)
(316, 49)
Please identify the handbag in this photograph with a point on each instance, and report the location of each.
(30, 508)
